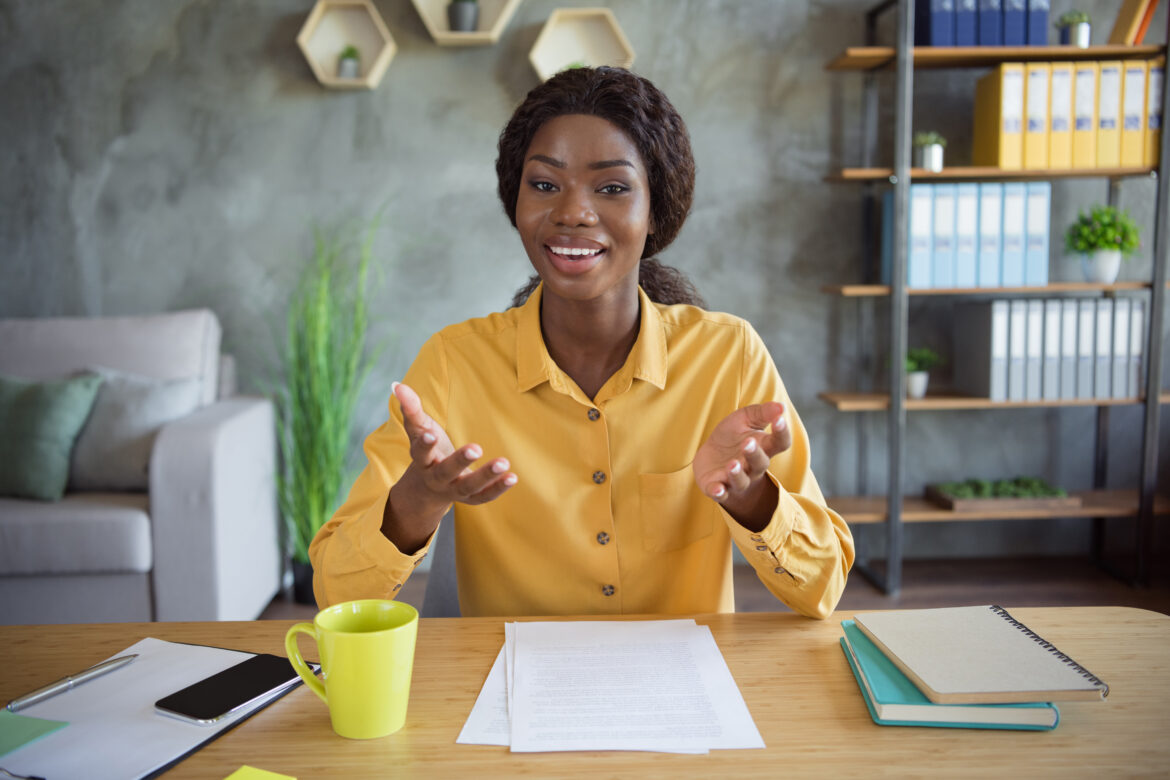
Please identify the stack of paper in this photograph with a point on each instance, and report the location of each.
(610, 685)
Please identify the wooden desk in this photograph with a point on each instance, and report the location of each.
(790, 670)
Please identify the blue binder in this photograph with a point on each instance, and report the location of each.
(966, 14)
(966, 235)
(990, 246)
(1015, 22)
(1038, 22)
(919, 235)
(942, 254)
(934, 23)
(989, 23)
(1012, 234)
(1038, 220)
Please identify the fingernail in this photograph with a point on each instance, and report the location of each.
(780, 424)
(500, 466)
(428, 438)
(750, 446)
(736, 468)
(719, 491)
(393, 386)
(474, 452)
(510, 480)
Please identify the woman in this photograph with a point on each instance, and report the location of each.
(628, 433)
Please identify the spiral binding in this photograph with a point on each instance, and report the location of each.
(1051, 648)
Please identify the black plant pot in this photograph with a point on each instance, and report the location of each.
(463, 16)
(303, 583)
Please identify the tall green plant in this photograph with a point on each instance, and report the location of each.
(324, 365)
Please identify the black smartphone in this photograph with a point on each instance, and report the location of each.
(220, 695)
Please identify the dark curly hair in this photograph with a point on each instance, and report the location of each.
(643, 113)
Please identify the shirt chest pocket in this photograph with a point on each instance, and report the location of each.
(674, 512)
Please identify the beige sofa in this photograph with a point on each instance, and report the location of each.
(198, 540)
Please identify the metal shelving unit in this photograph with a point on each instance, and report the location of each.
(895, 508)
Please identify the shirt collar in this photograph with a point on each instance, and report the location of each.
(647, 360)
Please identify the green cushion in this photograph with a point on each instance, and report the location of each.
(39, 422)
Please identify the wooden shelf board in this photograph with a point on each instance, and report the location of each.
(494, 16)
(880, 290)
(859, 510)
(876, 402)
(864, 58)
(987, 173)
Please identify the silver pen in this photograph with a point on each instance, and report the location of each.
(66, 683)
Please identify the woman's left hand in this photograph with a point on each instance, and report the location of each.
(731, 464)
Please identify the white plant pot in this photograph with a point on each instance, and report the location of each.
(348, 68)
(929, 157)
(1101, 266)
(916, 382)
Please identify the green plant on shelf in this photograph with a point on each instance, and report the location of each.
(350, 52)
(1069, 18)
(921, 359)
(1104, 227)
(929, 138)
(1020, 487)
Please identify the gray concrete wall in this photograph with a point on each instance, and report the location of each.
(160, 154)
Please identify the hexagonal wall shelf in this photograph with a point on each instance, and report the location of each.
(334, 24)
(588, 36)
(494, 16)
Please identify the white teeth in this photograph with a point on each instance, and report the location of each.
(571, 252)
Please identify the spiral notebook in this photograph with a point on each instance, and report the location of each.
(977, 655)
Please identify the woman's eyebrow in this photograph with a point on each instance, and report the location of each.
(592, 166)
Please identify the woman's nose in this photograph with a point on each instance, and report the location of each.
(573, 209)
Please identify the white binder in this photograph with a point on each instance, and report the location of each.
(1034, 354)
(920, 235)
(1050, 370)
(1103, 357)
(1017, 350)
(1068, 349)
(989, 273)
(1086, 320)
(1137, 347)
(942, 253)
(966, 235)
(1012, 234)
(1120, 363)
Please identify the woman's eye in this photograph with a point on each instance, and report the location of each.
(542, 186)
(614, 189)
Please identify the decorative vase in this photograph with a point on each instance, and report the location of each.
(348, 68)
(916, 382)
(1076, 35)
(1101, 266)
(303, 583)
(929, 157)
(463, 15)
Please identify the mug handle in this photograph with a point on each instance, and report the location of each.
(298, 663)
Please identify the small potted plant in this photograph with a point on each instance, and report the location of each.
(1101, 238)
(928, 150)
(349, 64)
(463, 15)
(919, 361)
(1075, 29)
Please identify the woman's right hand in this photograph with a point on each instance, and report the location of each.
(438, 476)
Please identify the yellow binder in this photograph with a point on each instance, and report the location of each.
(999, 118)
(1109, 115)
(1036, 103)
(1153, 137)
(1060, 117)
(1133, 113)
(1084, 131)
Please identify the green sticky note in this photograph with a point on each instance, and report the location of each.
(17, 730)
(252, 773)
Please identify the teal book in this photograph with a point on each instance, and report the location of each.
(893, 700)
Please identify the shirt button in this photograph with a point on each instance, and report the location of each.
(599, 477)
(757, 538)
(594, 415)
(780, 570)
(603, 538)
(607, 590)
(762, 547)
(398, 586)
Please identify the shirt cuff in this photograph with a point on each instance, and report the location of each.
(766, 549)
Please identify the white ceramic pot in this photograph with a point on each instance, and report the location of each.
(348, 68)
(1102, 266)
(916, 382)
(1076, 35)
(929, 157)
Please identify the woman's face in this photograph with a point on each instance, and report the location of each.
(583, 210)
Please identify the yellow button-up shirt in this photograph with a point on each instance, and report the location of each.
(607, 517)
